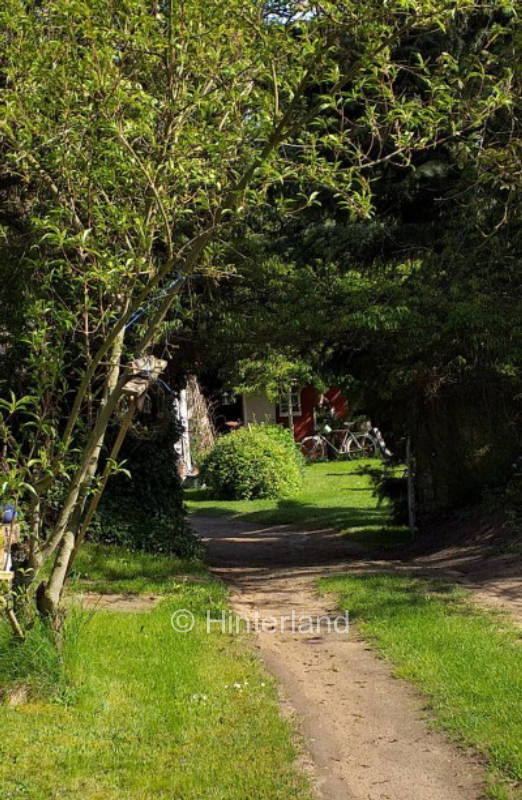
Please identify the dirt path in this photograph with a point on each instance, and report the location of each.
(365, 731)
(495, 580)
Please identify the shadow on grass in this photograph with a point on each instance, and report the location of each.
(105, 569)
(291, 510)
(381, 596)
(333, 516)
(370, 526)
(253, 542)
(344, 474)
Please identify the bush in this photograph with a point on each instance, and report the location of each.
(391, 486)
(127, 523)
(146, 511)
(254, 461)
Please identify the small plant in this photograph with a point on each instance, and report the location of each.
(391, 486)
(255, 461)
(513, 501)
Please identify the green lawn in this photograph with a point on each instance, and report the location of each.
(468, 661)
(334, 494)
(135, 711)
(117, 570)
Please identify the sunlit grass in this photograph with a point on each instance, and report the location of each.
(103, 569)
(337, 494)
(468, 661)
(135, 711)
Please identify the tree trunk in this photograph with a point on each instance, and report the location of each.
(410, 464)
(49, 593)
(93, 505)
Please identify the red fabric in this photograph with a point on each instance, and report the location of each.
(339, 402)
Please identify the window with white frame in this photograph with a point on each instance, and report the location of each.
(295, 399)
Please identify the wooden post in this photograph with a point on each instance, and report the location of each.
(290, 412)
(410, 463)
(10, 534)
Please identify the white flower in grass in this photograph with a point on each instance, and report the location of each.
(198, 698)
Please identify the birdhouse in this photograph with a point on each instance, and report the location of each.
(144, 371)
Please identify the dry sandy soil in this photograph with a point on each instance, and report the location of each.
(366, 734)
(118, 602)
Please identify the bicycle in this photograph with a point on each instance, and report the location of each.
(352, 445)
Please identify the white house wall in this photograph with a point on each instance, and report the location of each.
(258, 408)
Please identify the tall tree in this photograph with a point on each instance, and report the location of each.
(133, 137)
(413, 307)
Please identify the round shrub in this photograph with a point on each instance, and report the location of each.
(254, 461)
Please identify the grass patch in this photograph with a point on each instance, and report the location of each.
(105, 569)
(150, 713)
(36, 668)
(336, 494)
(468, 661)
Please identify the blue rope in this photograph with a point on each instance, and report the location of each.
(140, 312)
(166, 388)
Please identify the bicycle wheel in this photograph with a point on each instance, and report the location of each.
(361, 446)
(344, 447)
(368, 446)
(312, 448)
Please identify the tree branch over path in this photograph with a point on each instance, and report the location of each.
(140, 142)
